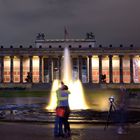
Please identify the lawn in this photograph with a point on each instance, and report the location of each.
(24, 93)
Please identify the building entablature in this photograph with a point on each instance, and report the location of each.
(59, 51)
(62, 44)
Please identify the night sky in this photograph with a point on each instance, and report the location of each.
(112, 21)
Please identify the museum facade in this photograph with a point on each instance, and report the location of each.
(90, 63)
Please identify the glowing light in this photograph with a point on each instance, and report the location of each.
(66, 70)
(103, 104)
(36, 62)
(16, 62)
(16, 67)
(26, 68)
(76, 98)
(7, 69)
(7, 62)
(53, 101)
(95, 61)
(101, 100)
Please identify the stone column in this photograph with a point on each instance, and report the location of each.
(80, 67)
(110, 69)
(90, 68)
(31, 67)
(40, 69)
(11, 69)
(100, 68)
(50, 69)
(21, 69)
(121, 68)
(2, 69)
(131, 69)
(59, 66)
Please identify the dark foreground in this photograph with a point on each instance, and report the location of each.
(28, 131)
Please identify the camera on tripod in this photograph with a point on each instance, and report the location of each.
(112, 108)
(111, 99)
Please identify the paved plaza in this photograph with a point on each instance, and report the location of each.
(30, 131)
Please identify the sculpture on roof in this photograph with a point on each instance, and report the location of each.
(90, 35)
(40, 36)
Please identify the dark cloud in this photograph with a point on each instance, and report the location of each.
(112, 21)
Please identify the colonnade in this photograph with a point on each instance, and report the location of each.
(59, 58)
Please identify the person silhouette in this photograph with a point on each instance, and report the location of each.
(62, 112)
(122, 110)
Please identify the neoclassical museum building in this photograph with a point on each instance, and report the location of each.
(119, 64)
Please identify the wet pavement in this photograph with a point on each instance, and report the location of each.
(31, 131)
(38, 113)
(34, 111)
(23, 100)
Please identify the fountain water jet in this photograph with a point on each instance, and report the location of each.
(76, 98)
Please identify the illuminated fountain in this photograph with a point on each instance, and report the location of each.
(76, 98)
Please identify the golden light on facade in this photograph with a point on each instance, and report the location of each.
(105, 63)
(115, 56)
(95, 56)
(115, 62)
(35, 69)
(16, 62)
(7, 62)
(95, 61)
(6, 57)
(26, 63)
(35, 57)
(7, 69)
(16, 57)
(36, 63)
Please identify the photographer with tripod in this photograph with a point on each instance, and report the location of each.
(119, 108)
(112, 109)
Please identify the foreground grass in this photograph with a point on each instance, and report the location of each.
(89, 94)
(18, 93)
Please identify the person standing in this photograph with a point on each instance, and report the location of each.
(62, 112)
(58, 131)
(65, 106)
(122, 111)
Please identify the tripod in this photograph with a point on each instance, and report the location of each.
(112, 107)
